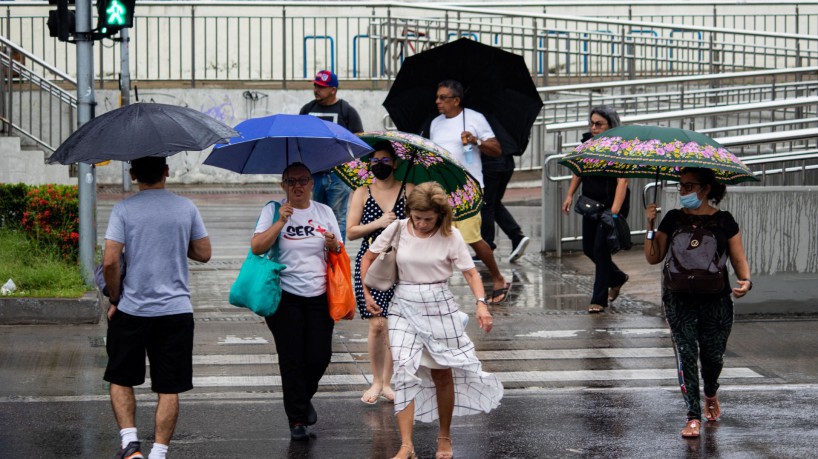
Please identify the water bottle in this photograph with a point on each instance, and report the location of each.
(469, 153)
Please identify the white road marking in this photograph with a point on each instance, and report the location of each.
(587, 333)
(484, 356)
(233, 339)
(612, 375)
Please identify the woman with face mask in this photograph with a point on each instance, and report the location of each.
(371, 209)
(699, 322)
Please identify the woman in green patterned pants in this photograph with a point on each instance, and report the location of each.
(699, 322)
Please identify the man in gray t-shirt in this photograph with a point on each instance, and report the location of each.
(150, 310)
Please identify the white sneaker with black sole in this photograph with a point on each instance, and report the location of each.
(518, 251)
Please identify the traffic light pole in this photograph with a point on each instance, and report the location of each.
(125, 92)
(85, 112)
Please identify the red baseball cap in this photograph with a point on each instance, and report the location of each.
(326, 78)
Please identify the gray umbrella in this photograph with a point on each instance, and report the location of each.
(139, 130)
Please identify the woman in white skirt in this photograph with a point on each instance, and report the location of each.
(437, 374)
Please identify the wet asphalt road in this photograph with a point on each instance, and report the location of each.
(576, 385)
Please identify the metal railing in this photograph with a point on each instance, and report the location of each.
(37, 100)
(631, 97)
(288, 41)
(796, 163)
(800, 16)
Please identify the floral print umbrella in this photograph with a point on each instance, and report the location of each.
(655, 152)
(423, 161)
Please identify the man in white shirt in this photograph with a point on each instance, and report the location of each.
(466, 134)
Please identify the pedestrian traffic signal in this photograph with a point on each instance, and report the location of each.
(62, 22)
(113, 15)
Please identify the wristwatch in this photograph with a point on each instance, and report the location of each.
(479, 143)
(748, 280)
(114, 302)
(482, 300)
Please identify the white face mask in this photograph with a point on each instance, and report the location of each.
(690, 201)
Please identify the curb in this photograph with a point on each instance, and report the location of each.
(50, 311)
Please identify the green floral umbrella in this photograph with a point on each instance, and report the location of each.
(655, 152)
(422, 161)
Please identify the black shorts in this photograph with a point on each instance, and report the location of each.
(168, 342)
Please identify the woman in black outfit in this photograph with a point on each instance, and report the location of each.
(615, 195)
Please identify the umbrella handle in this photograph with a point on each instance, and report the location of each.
(405, 179)
(651, 233)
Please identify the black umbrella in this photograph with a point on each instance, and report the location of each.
(139, 130)
(497, 84)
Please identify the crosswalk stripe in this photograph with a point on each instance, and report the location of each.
(596, 331)
(485, 356)
(668, 374)
(612, 375)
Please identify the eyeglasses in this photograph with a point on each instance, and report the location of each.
(444, 97)
(598, 124)
(385, 160)
(303, 181)
(686, 186)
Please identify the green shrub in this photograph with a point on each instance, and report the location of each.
(51, 218)
(13, 199)
(36, 270)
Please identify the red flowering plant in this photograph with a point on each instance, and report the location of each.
(51, 218)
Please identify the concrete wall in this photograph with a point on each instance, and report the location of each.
(779, 229)
(28, 166)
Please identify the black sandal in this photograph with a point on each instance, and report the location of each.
(500, 291)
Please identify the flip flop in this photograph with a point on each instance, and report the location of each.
(388, 396)
(371, 396)
(500, 291)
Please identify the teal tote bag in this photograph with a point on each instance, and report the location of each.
(258, 286)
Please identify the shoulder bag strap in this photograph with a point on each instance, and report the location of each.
(272, 252)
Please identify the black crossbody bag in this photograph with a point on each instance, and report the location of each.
(587, 207)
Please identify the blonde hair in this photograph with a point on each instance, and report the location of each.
(432, 196)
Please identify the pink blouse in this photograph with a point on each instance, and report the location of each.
(425, 260)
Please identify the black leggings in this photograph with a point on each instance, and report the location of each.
(700, 326)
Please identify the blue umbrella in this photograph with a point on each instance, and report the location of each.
(267, 145)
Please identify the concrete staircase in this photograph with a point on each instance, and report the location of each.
(18, 165)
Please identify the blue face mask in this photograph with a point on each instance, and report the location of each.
(690, 201)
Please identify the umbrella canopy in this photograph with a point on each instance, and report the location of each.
(139, 130)
(422, 161)
(267, 145)
(655, 152)
(497, 84)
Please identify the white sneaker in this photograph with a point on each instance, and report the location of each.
(517, 251)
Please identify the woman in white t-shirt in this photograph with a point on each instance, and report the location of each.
(437, 374)
(302, 326)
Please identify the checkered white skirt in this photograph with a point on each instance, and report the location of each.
(425, 319)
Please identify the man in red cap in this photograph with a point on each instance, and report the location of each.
(328, 189)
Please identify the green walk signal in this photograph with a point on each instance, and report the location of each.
(113, 15)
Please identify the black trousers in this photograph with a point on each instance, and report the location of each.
(302, 329)
(496, 180)
(595, 247)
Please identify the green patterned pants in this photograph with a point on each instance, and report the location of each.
(699, 326)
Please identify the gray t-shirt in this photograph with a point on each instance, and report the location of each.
(156, 227)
